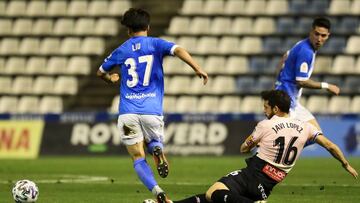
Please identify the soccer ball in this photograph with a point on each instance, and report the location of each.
(149, 201)
(25, 191)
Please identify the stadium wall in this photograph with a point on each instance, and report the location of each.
(30, 136)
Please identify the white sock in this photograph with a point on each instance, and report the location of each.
(156, 190)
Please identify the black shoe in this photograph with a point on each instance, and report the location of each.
(161, 162)
(161, 198)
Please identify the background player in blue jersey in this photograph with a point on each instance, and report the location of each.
(141, 94)
(296, 68)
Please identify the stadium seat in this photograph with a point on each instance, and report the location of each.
(15, 65)
(77, 8)
(220, 25)
(169, 104)
(78, 65)
(357, 66)
(106, 26)
(318, 7)
(6, 26)
(236, 65)
(16, 8)
(2, 7)
(355, 7)
(349, 24)
(8, 104)
(36, 65)
(5, 85)
(199, 25)
(272, 45)
(179, 25)
(323, 64)
(273, 64)
(36, 8)
(264, 25)
(56, 65)
(29, 46)
(172, 65)
(234, 7)
(339, 104)
(251, 45)
(22, 85)
(264, 83)
(343, 64)
(98, 8)
(317, 104)
(114, 108)
(251, 104)
(298, 6)
(333, 79)
(303, 25)
(229, 45)
(118, 8)
(229, 104)
(285, 25)
(9, 46)
(57, 8)
(71, 45)
(214, 64)
(85, 26)
(192, 7)
(353, 45)
(208, 104)
(245, 84)
(51, 104)
(186, 104)
(207, 45)
(242, 25)
(50, 46)
(258, 64)
(355, 105)
(277, 7)
(339, 7)
(223, 85)
(186, 69)
(213, 7)
(197, 86)
(179, 85)
(255, 7)
(28, 104)
(290, 42)
(351, 85)
(43, 85)
(43, 26)
(66, 85)
(93, 45)
(22, 26)
(64, 26)
(334, 45)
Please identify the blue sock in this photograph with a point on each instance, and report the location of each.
(152, 144)
(145, 173)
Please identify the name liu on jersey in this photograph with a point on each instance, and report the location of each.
(136, 46)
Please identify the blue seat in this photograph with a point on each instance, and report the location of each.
(258, 64)
(304, 25)
(273, 63)
(334, 45)
(290, 42)
(272, 45)
(299, 6)
(264, 83)
(319, 7)
(351, 85)
(336, 80)
(245, 84)
(285, 25)
(349, 24)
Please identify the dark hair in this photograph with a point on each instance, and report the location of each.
(277, 98)
(321, 22)
(136, 19)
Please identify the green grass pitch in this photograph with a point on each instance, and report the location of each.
(112, 179)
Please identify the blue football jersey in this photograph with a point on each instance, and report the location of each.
(140, 60)
(298, 66)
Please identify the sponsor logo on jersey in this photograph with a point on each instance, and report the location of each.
(274, 173)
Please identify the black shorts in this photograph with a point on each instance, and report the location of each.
(249, 182)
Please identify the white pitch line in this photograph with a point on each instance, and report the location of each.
(66, 179)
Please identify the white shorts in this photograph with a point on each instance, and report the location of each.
(301, 113)
(135, 128)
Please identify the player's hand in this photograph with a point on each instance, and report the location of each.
(114, 78)
(351, 170)
(333, 89)
(202, 74)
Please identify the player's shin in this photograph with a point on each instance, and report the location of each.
(144, 173)
(226, 196)
(194, 199)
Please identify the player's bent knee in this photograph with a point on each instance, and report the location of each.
(213, 188)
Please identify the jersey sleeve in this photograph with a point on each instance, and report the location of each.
(313, 132)
(166, 47)
(303, 64)
(111, 61)
(258, 132)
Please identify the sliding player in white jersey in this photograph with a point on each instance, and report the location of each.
(297, 66)
(140, 119)
(280, 140)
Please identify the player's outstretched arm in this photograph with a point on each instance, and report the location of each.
(336, 153)
(186, 57)
(319, 85)
(107, 77)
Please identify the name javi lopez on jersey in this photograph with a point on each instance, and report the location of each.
(281, 126)
(140, 95)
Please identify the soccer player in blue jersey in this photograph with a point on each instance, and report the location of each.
(296, 68)
(141, 94)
